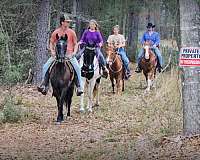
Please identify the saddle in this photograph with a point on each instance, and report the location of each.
(67, 62)
(87, 71)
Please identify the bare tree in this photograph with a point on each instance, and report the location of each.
(189, 11)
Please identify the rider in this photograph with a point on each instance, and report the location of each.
(72, 47)
(154, 37)
(92, 35)
(118, 41)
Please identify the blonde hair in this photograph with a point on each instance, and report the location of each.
(116, 26)
(96, 24)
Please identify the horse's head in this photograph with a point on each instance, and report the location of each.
(61, 47)
(147, 46)
(89, 53)
(110, 54)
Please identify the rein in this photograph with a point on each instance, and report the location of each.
(113, 61)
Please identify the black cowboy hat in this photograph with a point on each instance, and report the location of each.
(150, 25)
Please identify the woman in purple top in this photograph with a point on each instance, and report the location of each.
(93, 36)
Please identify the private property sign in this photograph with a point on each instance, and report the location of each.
(189, 57)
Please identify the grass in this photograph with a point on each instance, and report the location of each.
(122, 126)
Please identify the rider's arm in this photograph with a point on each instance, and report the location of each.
(157, 42)
(52, 44)
(109, 41)
(75, 43)
(83, 37)
(100, 39)
(123, 42)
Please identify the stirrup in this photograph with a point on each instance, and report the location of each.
(138, 70)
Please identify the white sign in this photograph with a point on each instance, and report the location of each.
(189, 57)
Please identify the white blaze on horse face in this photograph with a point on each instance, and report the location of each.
(108, 58)
(146, 48)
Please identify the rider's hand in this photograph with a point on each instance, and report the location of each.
(154, 46)
(53, 54)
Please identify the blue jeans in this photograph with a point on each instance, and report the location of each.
(124, 58)
(156, 51)
(98, 53)
(74, 63)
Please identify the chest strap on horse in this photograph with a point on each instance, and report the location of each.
(68, 63)
(51, 66)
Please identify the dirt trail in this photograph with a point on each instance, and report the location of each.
(131, 126)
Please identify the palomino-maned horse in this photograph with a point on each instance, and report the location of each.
(148, 64)
(90, 74)
(116, 69)
(62, 78)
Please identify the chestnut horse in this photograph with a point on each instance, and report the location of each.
(116, 69)
(148, 64)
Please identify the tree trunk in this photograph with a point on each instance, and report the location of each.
(191, 75)
(133, 34)
(41, 54)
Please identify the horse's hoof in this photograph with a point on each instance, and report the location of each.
(96, 105)
(58, 123)
(82, 110)
(90, 110)
(69, 118)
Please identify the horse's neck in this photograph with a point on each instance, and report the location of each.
(95, 61)
(117, 62)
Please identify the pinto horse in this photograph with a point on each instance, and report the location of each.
(90, 75)
(116, 69)
(62, 78)
(148, 64)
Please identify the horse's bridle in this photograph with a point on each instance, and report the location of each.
(113, 61)
(92, 49)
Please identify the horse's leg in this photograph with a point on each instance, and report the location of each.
(69, 101)
(90, 94)
(149, 82)
(122, 85)
(82, 97)
(96, 91)
(113, 84)
(119, 86)
(60, 109)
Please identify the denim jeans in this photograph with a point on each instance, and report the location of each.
(74, 63)
(98, 53)
(124, 58)
(156, 51)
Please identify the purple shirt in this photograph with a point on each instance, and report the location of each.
(91, 37)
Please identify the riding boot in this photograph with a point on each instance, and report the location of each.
(160, 69)
(128, 73)
(138, 69)
(105, 72)
(44, 86)
(79, 90)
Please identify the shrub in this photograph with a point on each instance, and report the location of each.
(11, 112)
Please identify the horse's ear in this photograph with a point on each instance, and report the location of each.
(57, 37)
(65, 37)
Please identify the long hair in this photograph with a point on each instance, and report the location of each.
(96, 24)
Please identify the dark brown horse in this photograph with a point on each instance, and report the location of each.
(62, 78)
(148, 64)
(116, 69)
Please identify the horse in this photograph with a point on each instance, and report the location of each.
(116, 69)
(90, 75)
(62, 78)
(148, 64)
